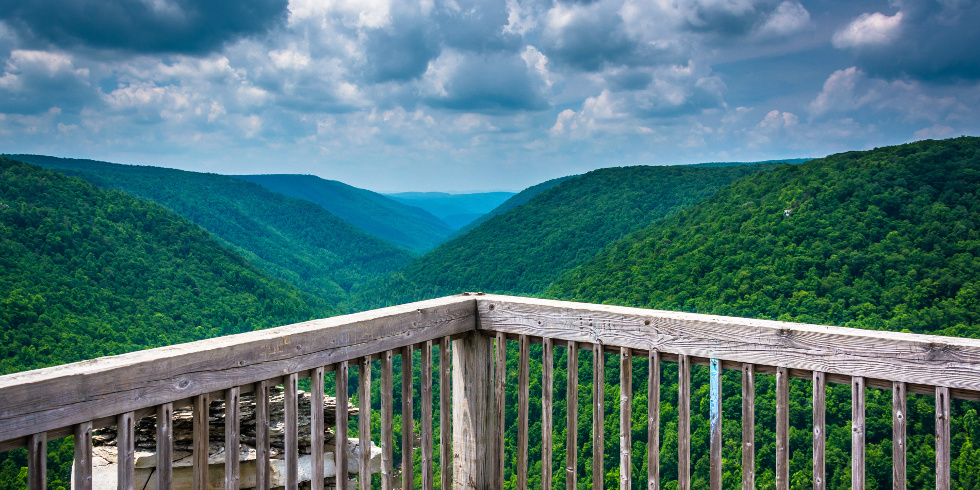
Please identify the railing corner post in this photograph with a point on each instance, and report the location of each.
(474, 457)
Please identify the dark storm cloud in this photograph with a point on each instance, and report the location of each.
(152, 26)
(399, 52)
(491, 83)
(933, 40)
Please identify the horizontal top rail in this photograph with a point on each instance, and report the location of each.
(55, 398)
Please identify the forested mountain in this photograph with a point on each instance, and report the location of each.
(457, 210)
(525, 249)
(515, 200)
(882, 239)
(401, 224)
(293, 239)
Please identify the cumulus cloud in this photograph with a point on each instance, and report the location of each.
(492, 82)
(33, 81)
(868, 30)
(159, 26)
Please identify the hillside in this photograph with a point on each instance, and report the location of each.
(401, 224)
(292, 239)
(525, 249)
(515, 200)
(457, 210)
(882, 239)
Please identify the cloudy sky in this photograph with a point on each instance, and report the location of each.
(467, 95)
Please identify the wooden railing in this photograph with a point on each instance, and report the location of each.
(472, 330)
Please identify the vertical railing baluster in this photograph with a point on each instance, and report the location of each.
(625, 419)
(943, 455)
(425, 405)
(83, 458)
(500, 383)
(899, 448)
(445, 415)
(571, 434)
(475, 465)
(317, 427)
(37, 461)
(748, 426)
(291, 433)
(683, 422)
(653, 421)
(232, 444)
(125, 451)
(782, 428)
(857, 433)
(263, 475)
(819, 430)
(340, 448)
(408, 424)
(714, 412)
(165, 446)
(598, 415)
(547, 386)
(364, 424)
(202, 404)
(387, 422)
(523, 382)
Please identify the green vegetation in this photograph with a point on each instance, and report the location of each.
(885, 239)
(401, 224)
(292, 239)
(86, 272)
(524, 250)
(515, 201)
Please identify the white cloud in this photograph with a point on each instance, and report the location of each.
(788, 18)
(869, 29)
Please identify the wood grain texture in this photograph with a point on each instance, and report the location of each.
(943, 454)
(364, 422)
(340, 450)
(63, 396)
(523, 382)
(291, 434)
(125, 451)
(200, 441)
(232, 443)
(683, 423)
(408, 420)
(625, 419)
(653, 421)
(263, 475)
(598, 415)
(387, 422)
(571, 392)
(714, 425)
(445, 415)
(899, 439)
(748, 426)
(317, 426)
(547, 401)
(782, 428)
(857, 433)
(37, 462)
(921, 359)
(425, 405)
(475, 463)
(819, 431)
(500, 383)
(82, 466)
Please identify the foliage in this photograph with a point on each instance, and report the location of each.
(516, 200)
(401, 224)
(292, 239)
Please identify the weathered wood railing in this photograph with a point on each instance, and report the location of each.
(74, 399)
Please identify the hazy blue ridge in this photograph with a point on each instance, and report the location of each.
(401, 224)
(736, 164)
(292, 239)
(457, 210)
(515, 200)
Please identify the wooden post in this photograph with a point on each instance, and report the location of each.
(782, 428)
(943, 455)
(857, 433)
(523, 381)
(291, 432)
(125, 450)
(683, 422)
(202, 403)
(714, 420)
(408, 420)
(475, 464)
(83, 457)
(445, 414)
(653, 422)
(387, 422)
(340, 450)
(547, 385)
(499, 399)
(625, 419)
(598, 416)
(37, 461)
(263, 476)
(571, 447)
(819, 430)
(165, 445)
(898, 436)
(425, 406)
(232, 443)
(316, 428)
(748, 426)
(364, 424)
